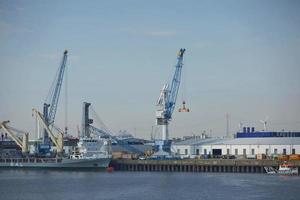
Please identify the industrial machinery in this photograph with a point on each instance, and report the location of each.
(58, 140)
(102, 131)
(183, 109)
(50, 105)
(21, 142)
(166, 104)
(88, 129)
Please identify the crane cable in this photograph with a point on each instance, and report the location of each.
(100, 122)
(66, 100)
(183, 91)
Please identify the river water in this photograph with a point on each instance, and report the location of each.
(89, 185)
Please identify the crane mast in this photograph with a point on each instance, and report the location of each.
(50, 106)
(87, 128)
(167, 99)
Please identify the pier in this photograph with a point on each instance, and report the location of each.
(198, 165)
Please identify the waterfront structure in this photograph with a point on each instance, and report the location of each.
(239, 147)
(199, 165)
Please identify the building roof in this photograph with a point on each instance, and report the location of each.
(261, 141)
(243, 141)
(196, 141)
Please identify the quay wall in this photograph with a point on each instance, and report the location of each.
(198, 165)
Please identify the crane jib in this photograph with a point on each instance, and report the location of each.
(175, 84)
(54, 100)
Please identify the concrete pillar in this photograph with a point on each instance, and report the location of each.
(262, 169)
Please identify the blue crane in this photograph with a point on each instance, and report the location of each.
(167, 98)
(50, 106)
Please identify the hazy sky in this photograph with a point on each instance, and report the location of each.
(242, 57)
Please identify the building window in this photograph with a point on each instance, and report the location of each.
(228, 151)
(244, 152)
(252, 151)
(178, 151)
(284, 152)
(267, 151)
(236, 151)
(293, 151)
(205, 151)
(186, 151)
(275, 151)
(197, 151)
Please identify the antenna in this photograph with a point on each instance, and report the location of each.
(241, 127)
(78, 131)
(227, 125)
(151, 134)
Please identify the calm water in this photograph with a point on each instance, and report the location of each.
(87, 185)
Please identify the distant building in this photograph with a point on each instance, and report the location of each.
(249, 132)
(247, 147)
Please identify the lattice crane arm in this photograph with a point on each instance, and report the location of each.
(56, 92)
(168, 95)
(175, 83)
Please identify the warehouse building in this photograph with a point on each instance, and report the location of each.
(247, 147)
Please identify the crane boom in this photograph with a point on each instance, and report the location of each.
(57, 89)
(175, 83)
(22, 143)
(52, 100)
(58, 141)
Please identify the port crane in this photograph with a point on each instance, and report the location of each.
(58, 140)
(166, 103)
(51, 103)
(21, 142)
(88, 129)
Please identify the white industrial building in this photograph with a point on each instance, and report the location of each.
(238, 146)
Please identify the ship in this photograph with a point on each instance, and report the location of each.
(89, 153)
(284, 169)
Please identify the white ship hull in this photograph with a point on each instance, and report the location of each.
(65, 163)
